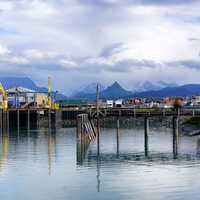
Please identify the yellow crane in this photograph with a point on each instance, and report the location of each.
(4, 103)
(51, 103)
(49, 92)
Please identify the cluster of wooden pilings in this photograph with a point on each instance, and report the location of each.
(29, 118)
(86, 132)
(85, 127)
(175, 127)
(175, 133)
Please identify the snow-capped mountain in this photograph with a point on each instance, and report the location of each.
(152, 86)
(88, 89)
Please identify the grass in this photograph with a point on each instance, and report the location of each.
(167, 110)
(193, 121)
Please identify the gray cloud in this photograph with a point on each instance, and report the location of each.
(76, 41)
(106, 3)
(194, 39)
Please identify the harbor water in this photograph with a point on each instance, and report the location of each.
(43, 164)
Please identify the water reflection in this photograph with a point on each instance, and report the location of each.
(17, 139)
(198, 147)
(117, 140)
(4, 149)
(146, 154)
(51, 164)
(98, 174)
(51, 147)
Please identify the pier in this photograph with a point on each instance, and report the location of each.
(25, 117)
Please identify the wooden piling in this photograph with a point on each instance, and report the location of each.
(117, 137)
(18, 120)
(28, 119)
(193, 112)
(38, 119)
(8, 120)
(98, 122)
(4, 123)
(49, 118)
(98, 137)
(146, 133)
(175, 136)
(1, 119)
(134, 112)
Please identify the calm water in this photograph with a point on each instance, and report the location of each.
(43, 165)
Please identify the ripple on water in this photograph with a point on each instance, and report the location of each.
(43, 165)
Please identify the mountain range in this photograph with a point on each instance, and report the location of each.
(114, 91)
(152, 86)
(111, 92)
(184, 90)
(88, 89)
(159, 89)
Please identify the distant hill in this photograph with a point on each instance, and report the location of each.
(185, 90)
(9, 82)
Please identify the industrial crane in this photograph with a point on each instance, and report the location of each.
(51, 103)
(4, 103)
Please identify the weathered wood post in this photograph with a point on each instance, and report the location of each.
(134, 112)
(85, 134)
(175, 136)
(193, 112)
(146, 135)
(1, 119)
(18, 120)
(98, 137)
(58, 118)
(4, 121)
(8, 124)
(117, 136)
(49, 118)
(28, 119)
(38, 119)
(98, 123)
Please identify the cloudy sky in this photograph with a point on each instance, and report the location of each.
(82, 41)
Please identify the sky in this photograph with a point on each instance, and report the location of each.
(77, 42)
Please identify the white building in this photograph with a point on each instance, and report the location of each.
(119, 103)
(109, 103)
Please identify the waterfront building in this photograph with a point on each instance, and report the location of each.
(196, 100)
(109, 103)
(20, 97)
(119, 103)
